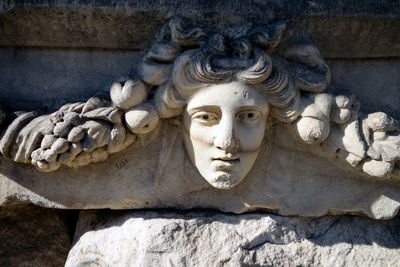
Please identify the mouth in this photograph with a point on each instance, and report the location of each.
(225, 162)
(227, 157)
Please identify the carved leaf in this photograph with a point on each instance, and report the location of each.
(98, 135)
(29, 138)
(94, 103)
(7, 139)
(109, 114)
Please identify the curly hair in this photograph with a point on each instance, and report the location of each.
(239, 53)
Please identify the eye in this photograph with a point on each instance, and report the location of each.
(249, 117)
(205, 117)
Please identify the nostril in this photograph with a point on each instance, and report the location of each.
(225, 138)
(228, 144)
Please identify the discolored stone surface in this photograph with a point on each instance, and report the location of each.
(34, 236)
(208, 238)
(342, 29)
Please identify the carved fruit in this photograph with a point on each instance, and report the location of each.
(142, 119)
(128, 94)
(47, 141)
(50, 156)
(60, 146)
(76, 134)
(61, 129)
(380, 121)
(378, 168)
(340, 115)
(312, 131)
(72, 118)
(343, 101)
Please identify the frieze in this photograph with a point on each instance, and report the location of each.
(228, 97)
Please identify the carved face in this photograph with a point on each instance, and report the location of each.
(223, 129)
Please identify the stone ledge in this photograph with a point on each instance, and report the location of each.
(284, 8)
(341, 30)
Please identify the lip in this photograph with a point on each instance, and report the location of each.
(225, 163)
(226, 157)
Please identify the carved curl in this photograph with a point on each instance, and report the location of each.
(242, 52)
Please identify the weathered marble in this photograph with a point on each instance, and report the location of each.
(248, 103)
(208, 238)
(142, 177)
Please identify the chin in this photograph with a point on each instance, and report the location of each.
(224, 180)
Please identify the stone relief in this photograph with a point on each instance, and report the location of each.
(226, 89)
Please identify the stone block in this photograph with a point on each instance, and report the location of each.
(347, 29)
(209, 238)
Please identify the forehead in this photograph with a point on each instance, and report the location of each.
(230, 95)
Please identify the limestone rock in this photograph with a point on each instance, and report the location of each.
(208, 238)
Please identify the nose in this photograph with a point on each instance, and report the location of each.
(226, 138)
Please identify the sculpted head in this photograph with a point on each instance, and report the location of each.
(224, 119)
(223, 129)
(226, 85)
(225, 91)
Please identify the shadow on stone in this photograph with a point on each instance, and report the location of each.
(34, 236)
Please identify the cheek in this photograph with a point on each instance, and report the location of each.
(251, 137)
(198, 134)
(201, 134)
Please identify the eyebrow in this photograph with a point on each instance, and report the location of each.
(251, 107)
(209, 107)
(217, 108)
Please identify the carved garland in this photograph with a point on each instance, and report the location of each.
(280, 62)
